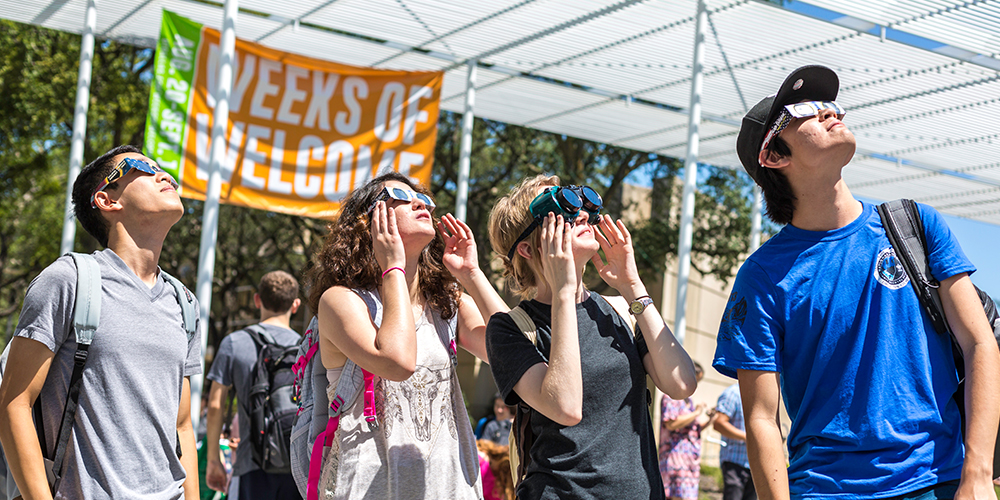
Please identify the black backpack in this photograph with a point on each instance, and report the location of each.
(270, 407)
(905, 231)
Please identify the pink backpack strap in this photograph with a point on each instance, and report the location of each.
(324, 439)
(370, 400)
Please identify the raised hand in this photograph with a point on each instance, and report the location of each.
(386, 242)
(460, 255)
(620, 272)
(558, 263)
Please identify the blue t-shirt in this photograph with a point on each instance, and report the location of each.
(866, 379)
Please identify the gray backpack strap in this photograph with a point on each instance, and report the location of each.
(87, 310)
(262, 332)
(86, 317)
(352, 380)
(186, 301)
(449, 328)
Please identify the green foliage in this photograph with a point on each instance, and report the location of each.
(503, 155)
(38, 72)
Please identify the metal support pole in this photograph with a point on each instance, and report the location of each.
(465, 152)
(79, 122)
(755, 218)
(690, 176)
(210, 216)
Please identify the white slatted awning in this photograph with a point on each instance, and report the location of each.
(920, 79)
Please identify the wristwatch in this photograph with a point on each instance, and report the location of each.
(639, 305)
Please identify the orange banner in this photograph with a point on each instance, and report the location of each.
(302, 132)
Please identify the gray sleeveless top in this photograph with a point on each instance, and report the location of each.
(423, 446)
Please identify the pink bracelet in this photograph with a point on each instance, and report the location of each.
(390, 269)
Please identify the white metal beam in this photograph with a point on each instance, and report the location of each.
(210, 216)
(690, 176)
(79, 122)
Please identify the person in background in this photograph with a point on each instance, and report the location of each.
(736, 478)
(494, 466)
(681, 423)
(277, 299)
(498, 429)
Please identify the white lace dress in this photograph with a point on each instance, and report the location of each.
(423, 446)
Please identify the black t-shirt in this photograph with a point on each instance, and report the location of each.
(611, 453)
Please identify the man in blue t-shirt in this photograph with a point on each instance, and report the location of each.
(824, 315)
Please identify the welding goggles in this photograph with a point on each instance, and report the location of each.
(124, 167)
(561, 200)
(799, 110)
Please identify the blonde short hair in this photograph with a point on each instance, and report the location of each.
(508, 219)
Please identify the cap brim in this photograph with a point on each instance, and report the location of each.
(808, 83)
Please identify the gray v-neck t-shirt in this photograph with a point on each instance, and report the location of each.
(124, 436)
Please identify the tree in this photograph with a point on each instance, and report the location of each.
(38, 72)
(503, 155)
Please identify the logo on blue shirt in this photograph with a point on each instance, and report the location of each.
(733, 318)
(889, 271)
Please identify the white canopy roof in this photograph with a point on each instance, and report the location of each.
(920, 78)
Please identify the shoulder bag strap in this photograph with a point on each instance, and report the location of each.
(906, 234)
(188, 315)
(86, 317)
(525, 324)
(260, 336)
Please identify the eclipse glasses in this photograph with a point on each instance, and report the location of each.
(124, 167)
(561, 200)
(799, 110)
(401, 195)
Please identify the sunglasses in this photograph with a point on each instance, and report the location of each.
(401, 195)
(799, 110)
(561, 200)
(125, 167)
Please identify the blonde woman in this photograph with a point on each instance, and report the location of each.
(584, 382)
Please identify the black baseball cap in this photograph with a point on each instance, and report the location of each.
(808, 83)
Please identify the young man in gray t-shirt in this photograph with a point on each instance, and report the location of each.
(277, 299)
(135, 396)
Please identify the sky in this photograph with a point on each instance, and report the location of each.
(979, 240)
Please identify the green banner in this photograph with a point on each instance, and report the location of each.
(171, 91)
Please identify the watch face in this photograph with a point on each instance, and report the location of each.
(637, 307)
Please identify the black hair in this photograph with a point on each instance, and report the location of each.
(86, 182)
(778, 196)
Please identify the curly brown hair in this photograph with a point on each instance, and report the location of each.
(500, 467)
(347, 259)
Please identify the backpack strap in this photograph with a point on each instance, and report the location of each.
(260, 336)
(905, 231)
(188, 315)
(522, 414)
(525, 324)
(86, 317)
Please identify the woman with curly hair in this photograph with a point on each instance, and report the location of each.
(386, 287)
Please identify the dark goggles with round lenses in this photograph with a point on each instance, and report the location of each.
(401, 195)
(562, 200)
